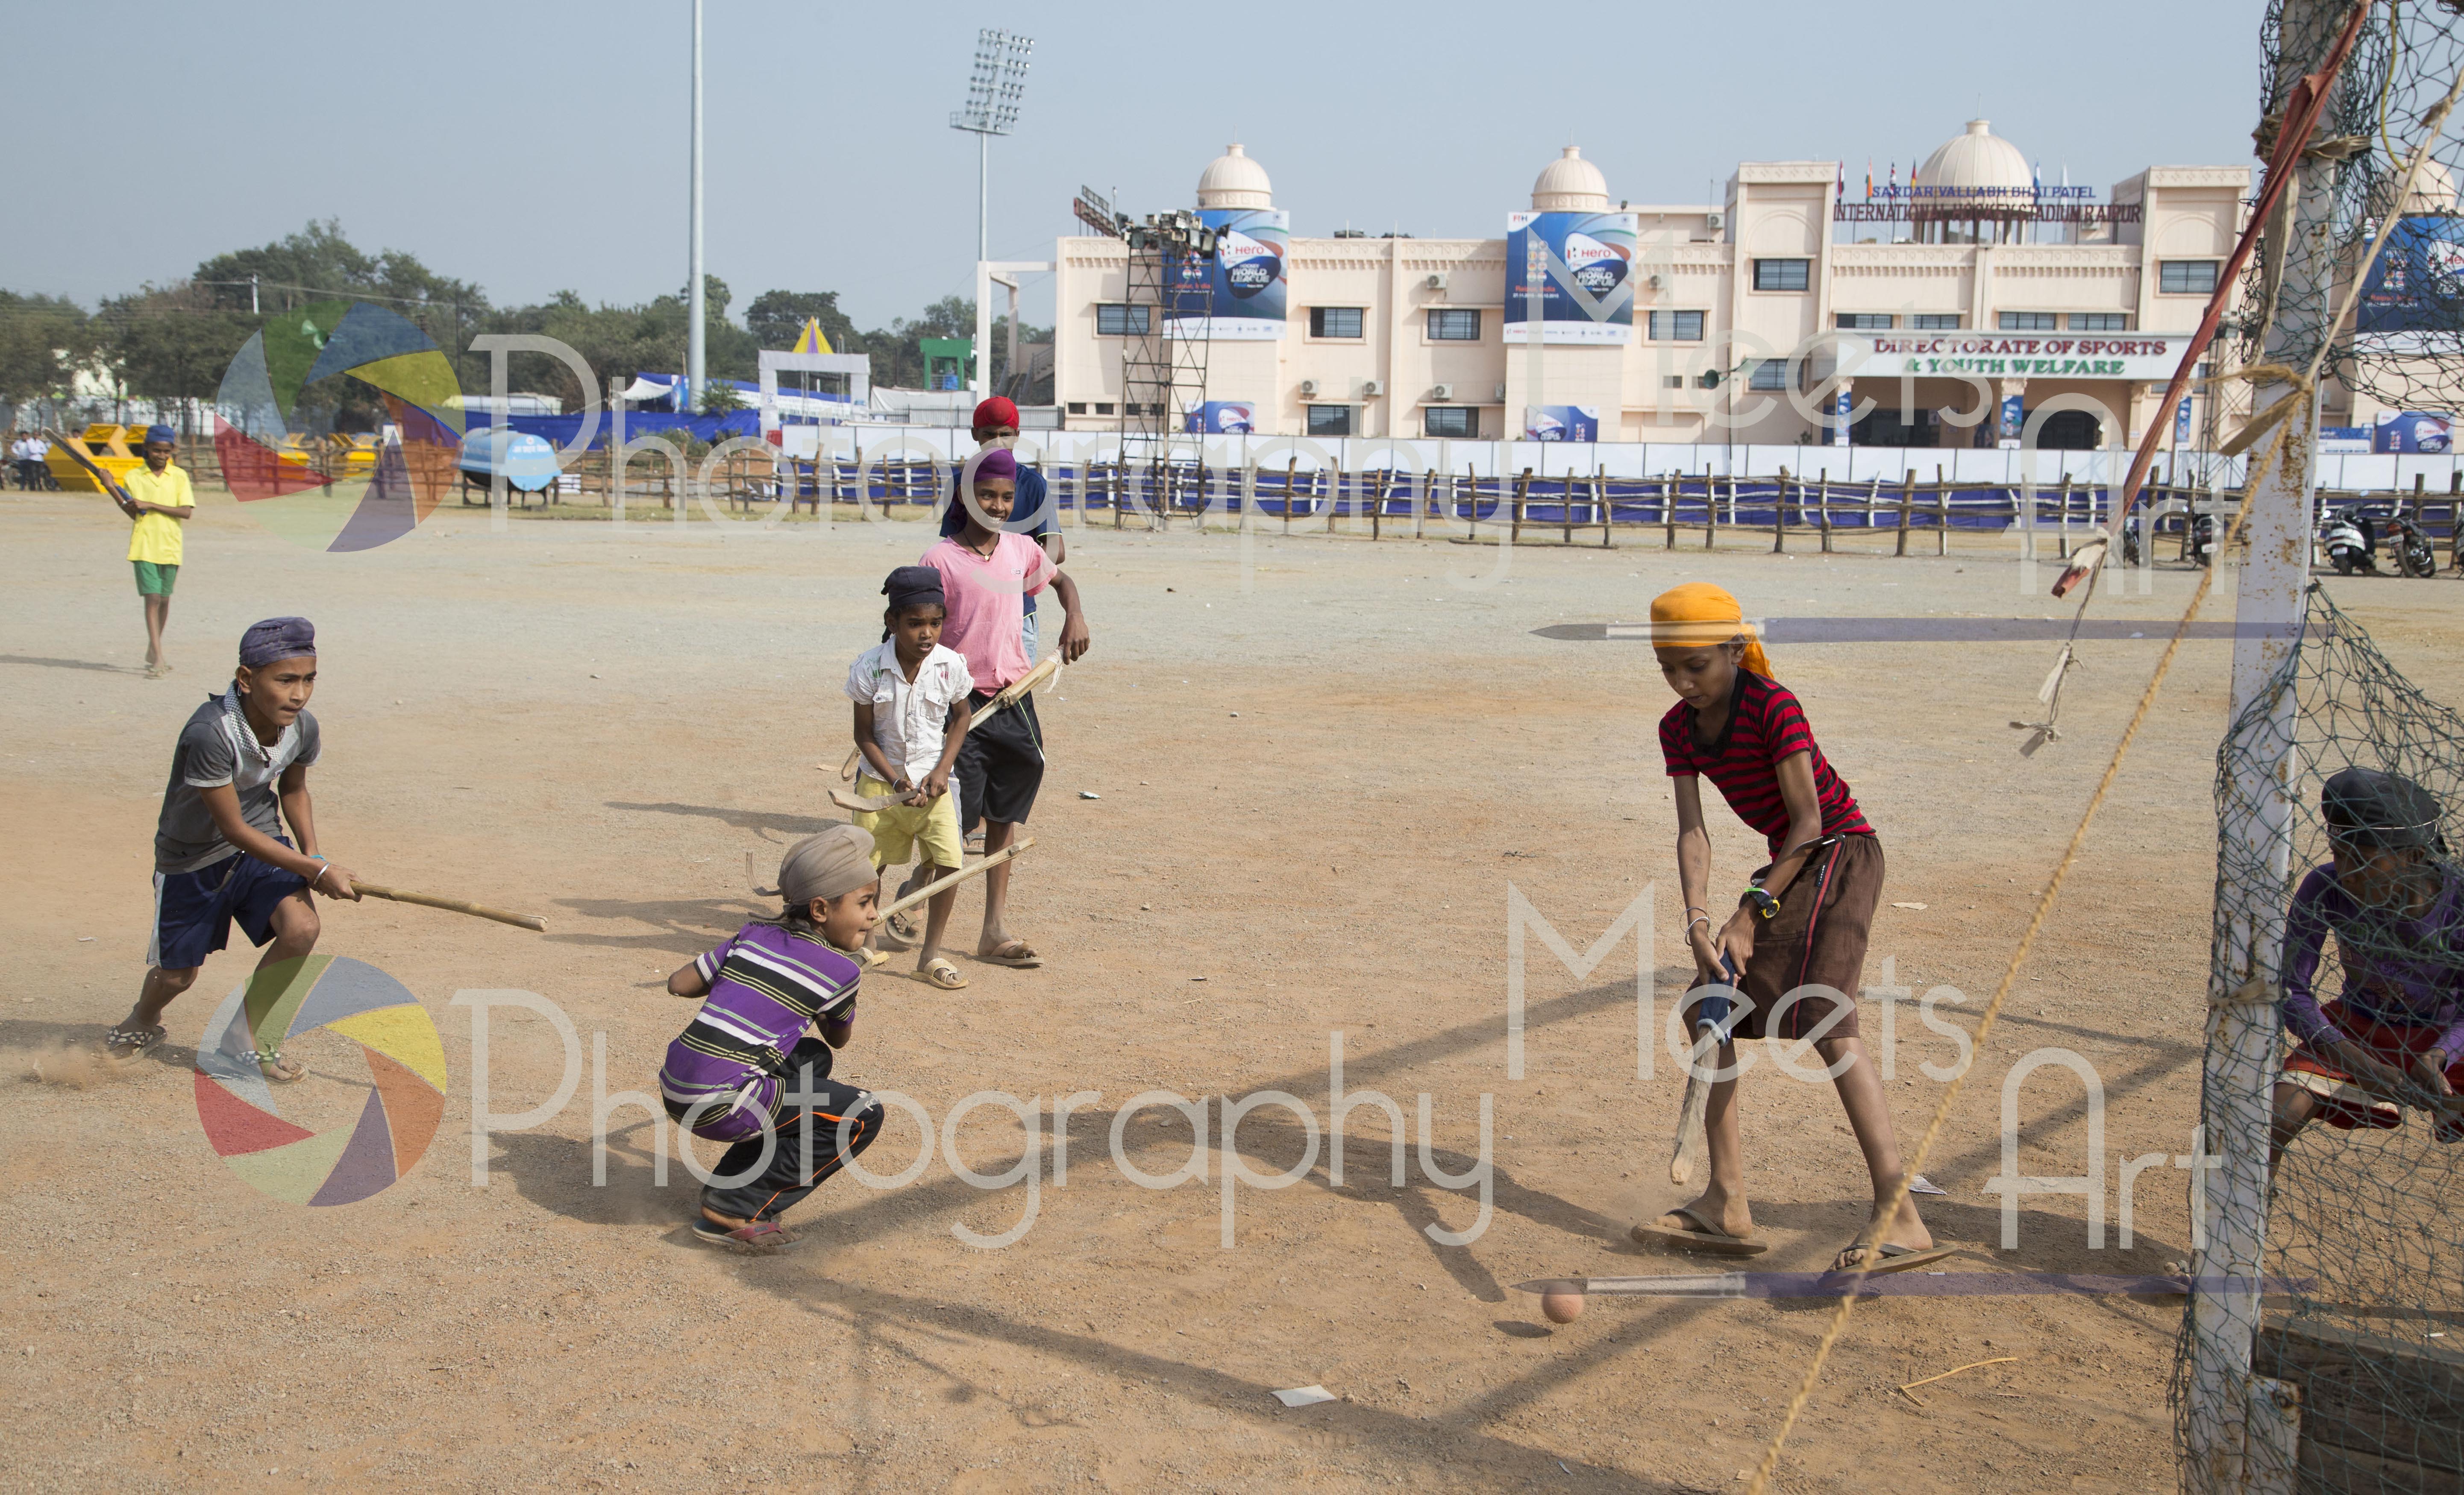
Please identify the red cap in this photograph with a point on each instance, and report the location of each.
(996, 411)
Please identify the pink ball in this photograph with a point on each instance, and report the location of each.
(1561, 1305)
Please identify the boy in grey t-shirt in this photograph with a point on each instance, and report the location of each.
(239, 771)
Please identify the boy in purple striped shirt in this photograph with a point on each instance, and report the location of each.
(745, 1065)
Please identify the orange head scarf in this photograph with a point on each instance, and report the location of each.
(1702, 613)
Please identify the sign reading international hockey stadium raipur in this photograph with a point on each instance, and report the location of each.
(2138, 356)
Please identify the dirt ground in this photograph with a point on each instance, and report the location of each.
(1323, 774)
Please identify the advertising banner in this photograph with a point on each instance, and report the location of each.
(2344, 440)
(1581, 266)
(2413, 300)
(2014, 417)
(1840, 408)
(1244, 283)
(2181, 423)
(1561, 423)
(2149, 356)
(2412, 432)
(1222, 418)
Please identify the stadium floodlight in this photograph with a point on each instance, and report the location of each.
(994, 91)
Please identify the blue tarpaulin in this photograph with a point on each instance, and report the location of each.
(710, 429)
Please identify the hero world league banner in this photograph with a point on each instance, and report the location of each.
(1244, 284)
(2413, 301)
(1580, 266)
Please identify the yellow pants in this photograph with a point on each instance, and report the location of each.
(900, 828)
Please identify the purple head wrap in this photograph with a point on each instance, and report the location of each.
(278, 638)
(998, 463)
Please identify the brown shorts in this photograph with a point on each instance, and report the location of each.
(1815, 946)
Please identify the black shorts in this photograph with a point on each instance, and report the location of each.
(1000, 765)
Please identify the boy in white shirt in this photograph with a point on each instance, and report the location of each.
(910, 719)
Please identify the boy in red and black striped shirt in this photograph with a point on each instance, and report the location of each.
(1798, 934)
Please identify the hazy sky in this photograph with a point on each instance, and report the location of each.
(532, 147)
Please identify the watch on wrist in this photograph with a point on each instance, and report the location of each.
(1764, 905)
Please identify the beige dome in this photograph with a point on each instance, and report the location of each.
(1569, 183)
(1978, 159)
(1232, 180)
(2434, 191)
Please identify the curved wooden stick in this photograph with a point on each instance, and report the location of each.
(478, 911)
(959, 876)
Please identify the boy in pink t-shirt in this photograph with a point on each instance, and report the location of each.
(986, 575)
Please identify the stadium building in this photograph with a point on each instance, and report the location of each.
(1969, 307)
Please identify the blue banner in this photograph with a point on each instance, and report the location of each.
(2415, 291)
(1561, 423)
(2412, 432)
(1222, 418)
(1580, 268)
(1244, 283)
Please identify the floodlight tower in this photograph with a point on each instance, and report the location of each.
(694, 341)
(993, 90)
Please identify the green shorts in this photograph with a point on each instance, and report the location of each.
(154, 580)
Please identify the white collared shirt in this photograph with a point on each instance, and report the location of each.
(910, 717)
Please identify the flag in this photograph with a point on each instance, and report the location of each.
(1869, 179)
(1843, 178)
(812, 340)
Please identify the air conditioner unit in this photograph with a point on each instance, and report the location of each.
(1500, 396)
(1442, 393)
(1436, 281)
(1371, 389)
(1655, 282)
(1309, 388)
(1715, 219)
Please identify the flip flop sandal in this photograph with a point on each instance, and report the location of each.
(1705, 1238)
(942, 974)
(1027, 959)
(903, 925)
(872, 958)
(1894, 1259)
(271, 1064)
(124, 1045)
(761, 1237)
(888, 934)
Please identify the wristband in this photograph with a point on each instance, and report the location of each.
(1764, 905)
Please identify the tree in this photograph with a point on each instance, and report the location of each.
(42, 338)
(173, 343)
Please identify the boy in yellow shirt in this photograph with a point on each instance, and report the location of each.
(159, 497)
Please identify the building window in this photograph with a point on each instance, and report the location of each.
(1771, 373)
(1103, 407)
(1114, 319)
(2185, 277)
(1783, 275)
(1334, 321)
(1672, 381)
(2099, 321)
(1330, 420)
(1077, 406)
(1935, 321)
(1674, 327)
(1451, 325)
(2028, 322)
(1862, 322)
(1449, 420)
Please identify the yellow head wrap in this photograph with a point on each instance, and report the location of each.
(1702, 613)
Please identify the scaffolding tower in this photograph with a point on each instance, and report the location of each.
(1163, 363)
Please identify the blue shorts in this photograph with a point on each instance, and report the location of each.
(193, 911)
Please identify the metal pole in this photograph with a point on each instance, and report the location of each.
(694, 335)
(983, 196)
(2255, 825)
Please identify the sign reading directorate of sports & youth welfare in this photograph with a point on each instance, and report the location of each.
(2148, 356)
(1245, 281)
(1580, 266)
